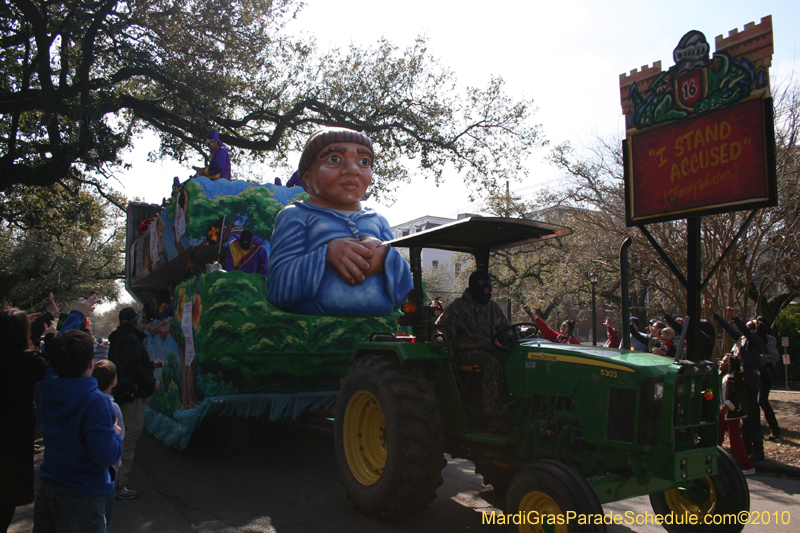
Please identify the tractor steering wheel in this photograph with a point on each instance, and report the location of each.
(518, 335)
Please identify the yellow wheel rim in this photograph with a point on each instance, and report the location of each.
(699, 500)
(364, 438)
(533, 507)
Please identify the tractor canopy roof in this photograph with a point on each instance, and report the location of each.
(481, 235)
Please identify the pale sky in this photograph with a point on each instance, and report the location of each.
(567, 55)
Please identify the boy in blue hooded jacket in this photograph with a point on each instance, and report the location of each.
(81, 438)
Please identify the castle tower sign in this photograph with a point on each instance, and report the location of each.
(700, 136)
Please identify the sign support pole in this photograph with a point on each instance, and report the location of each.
(785, 342)
(693, 287)
(785, 369)
(624, 272)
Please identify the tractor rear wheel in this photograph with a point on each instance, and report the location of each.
(725, 493)
(541, 495)
(389, 437)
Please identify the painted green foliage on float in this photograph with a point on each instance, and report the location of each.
(203, 206)
(209, 200)
(243, 344)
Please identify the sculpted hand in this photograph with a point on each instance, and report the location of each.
(349, 258)
(378, 255)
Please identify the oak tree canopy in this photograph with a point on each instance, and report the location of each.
(82, 78)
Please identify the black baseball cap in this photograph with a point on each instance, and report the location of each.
(128, 314)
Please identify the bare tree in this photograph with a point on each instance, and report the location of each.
(759, 276)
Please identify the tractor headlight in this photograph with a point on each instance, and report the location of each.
(650, 409)
(658, 391)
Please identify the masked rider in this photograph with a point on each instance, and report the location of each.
(468, 326)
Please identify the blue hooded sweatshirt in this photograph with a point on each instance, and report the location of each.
(79, 437)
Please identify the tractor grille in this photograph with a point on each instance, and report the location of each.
(621, 414)
(692, 414)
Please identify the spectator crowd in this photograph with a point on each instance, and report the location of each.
(86, 398)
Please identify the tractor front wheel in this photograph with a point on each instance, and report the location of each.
(725, 493)
(389, 437)
(543, 493)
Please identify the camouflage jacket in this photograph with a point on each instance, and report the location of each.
(468, 325)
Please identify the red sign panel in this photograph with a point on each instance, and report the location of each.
(712, 162)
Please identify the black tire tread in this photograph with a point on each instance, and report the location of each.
(551, 477)
(414, 470)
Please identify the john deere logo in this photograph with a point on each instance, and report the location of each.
(681, 390)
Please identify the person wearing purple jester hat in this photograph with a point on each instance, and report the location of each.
(220, 165)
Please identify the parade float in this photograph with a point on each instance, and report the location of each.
(226, 349)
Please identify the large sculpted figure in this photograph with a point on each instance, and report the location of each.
(326, 256)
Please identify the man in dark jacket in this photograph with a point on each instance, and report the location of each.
(135, 383)
(468, 326)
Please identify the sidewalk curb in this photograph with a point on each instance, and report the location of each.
(773, 467)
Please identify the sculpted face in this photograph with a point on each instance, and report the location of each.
(339, 176)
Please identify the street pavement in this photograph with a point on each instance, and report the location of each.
(285, 480)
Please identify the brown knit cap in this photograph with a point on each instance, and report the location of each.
(322, 138)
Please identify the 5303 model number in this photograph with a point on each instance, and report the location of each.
(608, 373)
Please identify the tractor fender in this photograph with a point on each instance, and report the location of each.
(404, 351)
(437, 368)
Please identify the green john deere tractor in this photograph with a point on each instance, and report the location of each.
(588, 425)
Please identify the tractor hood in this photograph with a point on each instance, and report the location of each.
(536, 367)
(611, 355)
